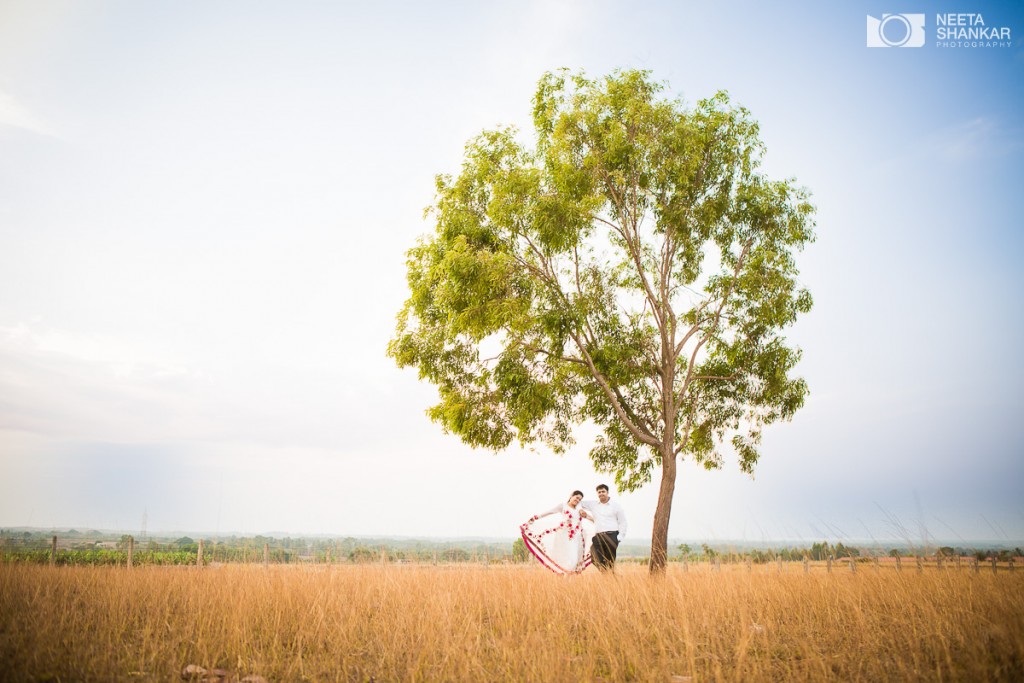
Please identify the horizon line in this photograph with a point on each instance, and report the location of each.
(936, 540)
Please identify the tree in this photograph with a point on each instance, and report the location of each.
(844, 551)
(820, 551)
(361, 554)
(519, 551)
(455, 555)
(633, 269)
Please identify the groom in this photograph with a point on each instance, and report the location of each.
(610, 521)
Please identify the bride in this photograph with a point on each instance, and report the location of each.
(558, 538)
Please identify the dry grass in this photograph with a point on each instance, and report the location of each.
(458, 623)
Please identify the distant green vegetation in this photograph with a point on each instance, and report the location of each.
(103, 548)
(824, 550)
(98, 548)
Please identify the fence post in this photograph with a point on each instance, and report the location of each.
(877, 566)
(686, 565)
(920, 564)
(829, 564)
(977, 565)
(750, 565)
(199, 554)
(807, 563)
(778, 562)
(938, 561)
(853, 566)
(958, 561)
(53, 552)
(718, 564)
(1011, 563)
(993, 564)
(266, 554)
(899, 563)
(131, 550)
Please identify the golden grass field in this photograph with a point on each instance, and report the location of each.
(509, 623)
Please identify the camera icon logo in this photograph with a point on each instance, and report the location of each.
(896, 30)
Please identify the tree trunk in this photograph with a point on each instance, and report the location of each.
(659, 538)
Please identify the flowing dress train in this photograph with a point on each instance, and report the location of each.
(559, 539)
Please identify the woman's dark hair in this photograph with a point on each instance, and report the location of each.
(576, 493)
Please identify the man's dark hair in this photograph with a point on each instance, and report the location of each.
(602, 486)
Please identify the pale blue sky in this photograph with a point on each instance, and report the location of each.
(204, 210)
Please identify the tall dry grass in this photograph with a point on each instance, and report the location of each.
(395, 623)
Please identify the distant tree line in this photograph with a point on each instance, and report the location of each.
(75, 547)
(94, 547)
(824, 550)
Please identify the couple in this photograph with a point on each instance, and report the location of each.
(560, 542)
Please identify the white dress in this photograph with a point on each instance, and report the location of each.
(560, 539)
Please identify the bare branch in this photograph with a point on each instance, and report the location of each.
(595, 217)
(686, 435)
(632, 247)
(717, 318)
(641, 435)
(693, 330)
(537, 349)
(629, 418)
(642, 422)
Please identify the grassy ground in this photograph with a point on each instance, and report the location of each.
(476, 623)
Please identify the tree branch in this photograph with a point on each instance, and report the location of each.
(630, 245)
(629, 418)
(641, 435)
(536, 349)
(686, 435)
(717, 318)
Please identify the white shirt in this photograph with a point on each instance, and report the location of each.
(607, 516)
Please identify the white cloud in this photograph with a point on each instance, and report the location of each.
(13, 114)
(34, 337)
(65, 385)
(979, 138)
(69, 385)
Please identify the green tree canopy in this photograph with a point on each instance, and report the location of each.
(632, 268)
(519, 552)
